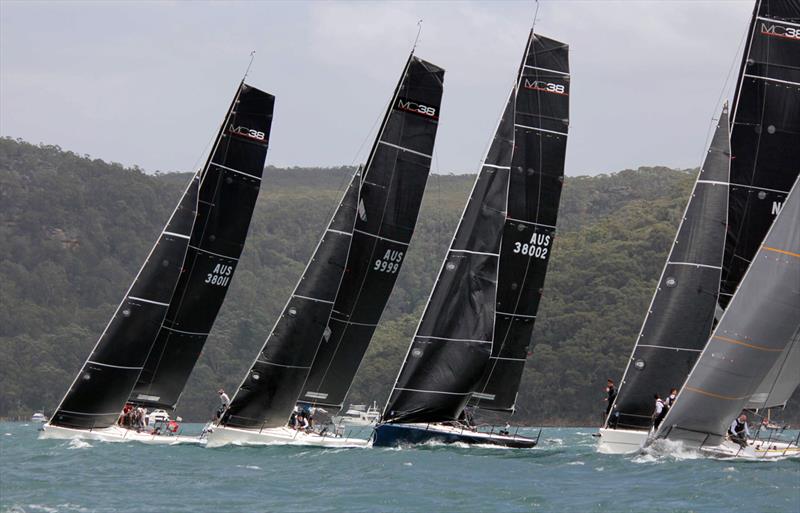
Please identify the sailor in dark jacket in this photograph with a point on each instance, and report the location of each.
(738, 431)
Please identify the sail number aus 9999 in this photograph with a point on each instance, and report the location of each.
(220, 276)
(390, 263)
(537, 247)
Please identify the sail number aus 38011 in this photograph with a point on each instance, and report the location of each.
(390, 263)
(537, 247)
(220, 276)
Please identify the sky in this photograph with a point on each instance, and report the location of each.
(147, 83)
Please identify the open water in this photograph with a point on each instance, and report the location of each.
(563, 474)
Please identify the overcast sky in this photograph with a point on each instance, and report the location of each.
(148, 83)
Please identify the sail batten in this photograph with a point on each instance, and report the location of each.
(100, 390)
(268, 392)
(394, 180)
(681, 312)
(755, 333)
(229, 187)
(765, 135)
(463, 349)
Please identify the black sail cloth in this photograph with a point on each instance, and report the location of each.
(473, 336)
(681, 314)
(760, 323)
(229, 187)
(765, 134)
(269, 391)
(391, 193)
(100, 390)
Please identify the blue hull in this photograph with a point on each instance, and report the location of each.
(395, 435)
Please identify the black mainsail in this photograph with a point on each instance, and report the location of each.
(269, 391)
(765, 134)
(229, 186)
(761, 321)
(681, 313)
(472, 340)
(391, 193)
(101, 388)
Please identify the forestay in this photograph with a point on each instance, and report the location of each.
(269, 391)
(474, 333)
(229, 187)
(765, 137)
(101, 388)
(761, 321)
(681, 314)
(391, 192)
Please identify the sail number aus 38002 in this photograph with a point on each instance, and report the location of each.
(390, 263)
(220, 276)
(537, 247)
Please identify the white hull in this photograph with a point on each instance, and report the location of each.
(277, 436)
(757, 450)
(114, 434)
(621, 441)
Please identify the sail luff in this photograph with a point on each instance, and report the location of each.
(541, 120)
(681, 311)
(269, 390)
(82, 393)
(392, 188)
(228, 192)
(450, 353)
(762, 319)
(765, 135)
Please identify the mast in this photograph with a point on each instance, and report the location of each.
(230, 182)
(391, 193)
(480, 313)
(99, 392)
(269, 390)
(761, 321)
(765, 134)
(681, 312)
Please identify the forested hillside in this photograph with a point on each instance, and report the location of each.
(75, 231)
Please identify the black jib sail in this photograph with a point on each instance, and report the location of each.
(761, 321)
(765, 134)
(101, 388)
(269, 391)
(391, 192)
(681, 313)
(473, 338)
(229, 187)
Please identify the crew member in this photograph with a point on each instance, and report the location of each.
(226, 402)
(660, 411)
(612, 394)
(738, 431)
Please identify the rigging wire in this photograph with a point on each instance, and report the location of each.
(247, 71)
(419, 31)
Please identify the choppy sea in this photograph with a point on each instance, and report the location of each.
(563, 474)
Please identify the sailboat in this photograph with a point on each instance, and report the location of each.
(473, 338)
(681, 313)
(316, 346)
(765, 149)
(152, 341)
(759, 327)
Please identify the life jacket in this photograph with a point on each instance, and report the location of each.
(739, 429)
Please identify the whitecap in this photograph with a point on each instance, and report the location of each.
(41, 507)
(599, 469)
(8, 434)
(555, 441)
(408, 464)
(576, 463)
(729, 469)
(77, 443)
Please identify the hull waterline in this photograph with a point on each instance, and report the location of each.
(221, 436)
(621, 441)
(396, 435)
(115, 434)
